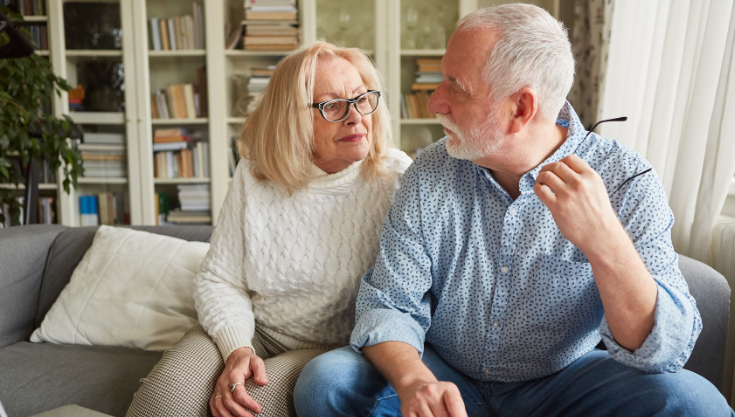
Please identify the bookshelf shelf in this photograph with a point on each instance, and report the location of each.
(35, 18)
(423, 52)
(420, 122)
(165, 122)
(98, 118)
(239, 53)
(93, 53)
(42, 52)
(23, 187)
(178, 53)
(84, 180)
(235, 120)
(181, 180)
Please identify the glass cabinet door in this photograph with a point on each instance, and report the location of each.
(93, 52)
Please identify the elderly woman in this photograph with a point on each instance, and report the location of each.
(299, 226)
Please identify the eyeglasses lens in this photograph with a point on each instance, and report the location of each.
(336, 110)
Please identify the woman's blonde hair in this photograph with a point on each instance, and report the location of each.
(278, 136)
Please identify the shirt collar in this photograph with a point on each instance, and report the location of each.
(575, 135)
(567, 118)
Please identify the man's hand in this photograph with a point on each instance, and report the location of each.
(242, 364)
(432, 399)
(578, 201)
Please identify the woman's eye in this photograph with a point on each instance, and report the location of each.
(330, 106)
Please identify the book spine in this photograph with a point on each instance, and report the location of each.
(172, 35)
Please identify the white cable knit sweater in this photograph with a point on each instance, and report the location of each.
(292, 264)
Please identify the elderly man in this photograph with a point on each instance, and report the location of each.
(513, 246)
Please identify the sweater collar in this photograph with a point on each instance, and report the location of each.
(320, 179)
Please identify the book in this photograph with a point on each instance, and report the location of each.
(171, 34)
(172, 146)
(191, 112)
(251, 15)
(104, 138)
(420, 86)
(164, 35)
(234, 38)
(155, 34)
(202, 91)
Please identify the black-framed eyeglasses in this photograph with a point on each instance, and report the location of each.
(338, 109)
(617, 119)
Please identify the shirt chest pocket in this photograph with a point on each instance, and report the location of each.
(565, 294)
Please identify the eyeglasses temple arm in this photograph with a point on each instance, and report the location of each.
(617, 119)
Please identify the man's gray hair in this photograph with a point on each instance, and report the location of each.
(532, 50)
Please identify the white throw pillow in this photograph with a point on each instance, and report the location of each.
(131, 289)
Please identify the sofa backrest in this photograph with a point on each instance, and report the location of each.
(23, 253)
(72, 244)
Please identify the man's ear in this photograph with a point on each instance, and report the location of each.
(523, 106)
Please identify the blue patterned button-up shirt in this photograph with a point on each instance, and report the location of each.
(496, 289)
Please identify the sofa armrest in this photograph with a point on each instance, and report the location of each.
(23, 253)
(712, 293)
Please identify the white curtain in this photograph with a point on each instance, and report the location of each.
(671, 71)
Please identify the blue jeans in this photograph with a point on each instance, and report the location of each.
(345, 383)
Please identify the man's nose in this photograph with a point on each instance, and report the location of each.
(438, 103)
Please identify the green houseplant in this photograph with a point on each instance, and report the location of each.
(27, 85)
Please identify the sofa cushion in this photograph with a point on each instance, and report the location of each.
(23, 252)
(70, 247)
(132, 289)
(40, 377)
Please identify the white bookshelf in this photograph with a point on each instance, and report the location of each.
(147, 70)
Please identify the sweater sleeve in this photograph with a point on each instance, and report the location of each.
(221, 294)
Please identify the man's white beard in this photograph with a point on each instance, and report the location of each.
(481, 140)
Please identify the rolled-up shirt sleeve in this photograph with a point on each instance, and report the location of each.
(393, 303)
(648, 219)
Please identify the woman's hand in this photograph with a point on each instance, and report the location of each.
(242, 364)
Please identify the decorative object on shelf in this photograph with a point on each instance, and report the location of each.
(76, 98)
(29, 132)
(180, 32)
(348, 23)
(91, 25)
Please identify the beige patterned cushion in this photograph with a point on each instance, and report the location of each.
(182, 381)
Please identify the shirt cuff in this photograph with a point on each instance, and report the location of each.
(230, 338)
(669, 344)
(386, 325)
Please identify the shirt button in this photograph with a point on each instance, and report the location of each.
(504, 269)
(487, 370)
(496, 324)
(512, 210)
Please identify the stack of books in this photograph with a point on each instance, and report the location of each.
(195, 205)
(428, 78)
(259, 78)
(270, 25)
(104, 155)
(179, 33)
(180, 153)
(181, 101)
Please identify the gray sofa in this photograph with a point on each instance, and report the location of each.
(36, 262)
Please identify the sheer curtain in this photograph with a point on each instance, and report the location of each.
(670, 71)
